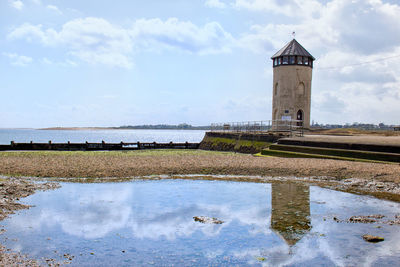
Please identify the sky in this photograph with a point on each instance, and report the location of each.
(129, 62)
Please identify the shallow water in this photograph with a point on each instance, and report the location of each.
(96, 136)
(151, 222)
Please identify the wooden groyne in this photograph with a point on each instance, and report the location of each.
(97, 146)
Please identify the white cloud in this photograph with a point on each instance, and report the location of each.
(361, 26)
(33, 33)
(66, 63)
(292, 8)
(54, 8)
(17, 4)
(215, 4)
(97, 41)
(173, 33)
(18, 60)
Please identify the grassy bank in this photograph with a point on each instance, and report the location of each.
(231, 144)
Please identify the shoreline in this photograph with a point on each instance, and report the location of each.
(109, 128)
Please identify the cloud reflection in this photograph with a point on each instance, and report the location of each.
(163, 211)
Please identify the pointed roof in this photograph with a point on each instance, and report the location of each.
(293, 48)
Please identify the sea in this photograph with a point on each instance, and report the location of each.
(97, 136)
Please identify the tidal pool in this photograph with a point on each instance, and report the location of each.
(151, 222)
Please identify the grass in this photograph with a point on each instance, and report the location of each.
(237, 144)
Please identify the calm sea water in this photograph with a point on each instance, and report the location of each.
(96, 136)
(142, 223)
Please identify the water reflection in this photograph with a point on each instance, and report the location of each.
(152, 222)
(290, 211)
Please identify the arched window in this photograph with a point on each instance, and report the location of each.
(300, 89)
(276, 89)
(299, 117)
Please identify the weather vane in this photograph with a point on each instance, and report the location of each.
(294, 34)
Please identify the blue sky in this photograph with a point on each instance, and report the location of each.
(112, 63)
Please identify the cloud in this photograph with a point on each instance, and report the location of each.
(17, 4)
(215, 4)
(374, 26)
(173, 33)
(54, 8)
(33, 33)
(290, 8)
(18, 60)
(66, 63)
(97, 41)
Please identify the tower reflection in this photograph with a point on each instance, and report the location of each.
(290, 216)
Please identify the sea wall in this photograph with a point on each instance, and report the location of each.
(238, 142)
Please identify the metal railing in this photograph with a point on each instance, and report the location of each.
(294, 127)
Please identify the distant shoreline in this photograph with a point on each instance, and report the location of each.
(113, 128)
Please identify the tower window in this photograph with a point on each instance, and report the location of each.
(275, 62)
(300, 89)
(305, 60)
(292, 61)
(279, 61)
(285, 60)
(286, 111)
(300, 60)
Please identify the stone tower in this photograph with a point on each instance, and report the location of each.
(291, 93)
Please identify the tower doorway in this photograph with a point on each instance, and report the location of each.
(299, 117)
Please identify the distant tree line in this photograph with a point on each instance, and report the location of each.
(357, 125)
(182, 126)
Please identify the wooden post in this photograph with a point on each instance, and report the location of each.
(138, 145)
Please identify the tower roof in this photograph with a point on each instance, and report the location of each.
(293, 48)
